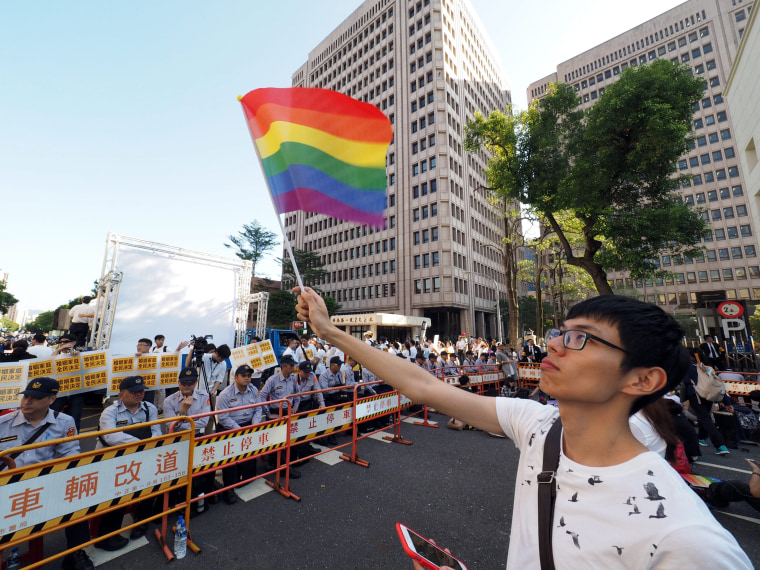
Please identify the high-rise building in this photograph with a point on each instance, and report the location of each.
(429, 66)
(705, 35)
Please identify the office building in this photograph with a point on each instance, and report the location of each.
(429, 66)
(741, 91)
(705, 35)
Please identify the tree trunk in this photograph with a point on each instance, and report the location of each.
(598, 275)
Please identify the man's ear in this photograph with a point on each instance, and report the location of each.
(643, 381)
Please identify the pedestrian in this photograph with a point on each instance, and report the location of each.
(616, 504)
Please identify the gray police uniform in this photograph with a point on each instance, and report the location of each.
(309, 401)
(118, 415)
(232, 397)
(15, 430)
(369, 376)
(200, 405)
(328, 380)
(469, 366)
(349, 378)
(279, 387)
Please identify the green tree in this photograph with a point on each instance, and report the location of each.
(282, 309)
(6, 299)
(310, 267)
(603, 165)
(253, 242)
(8, 324)
(528, 314)
(43, 323)
(332, 305)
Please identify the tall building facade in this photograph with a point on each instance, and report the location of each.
(429, 66)
(705, 35)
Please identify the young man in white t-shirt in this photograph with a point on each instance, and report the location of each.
(618, 505)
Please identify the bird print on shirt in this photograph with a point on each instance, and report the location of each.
(574, 498)
(594, 480)
(635, 511)
(575, 538)
(652, 493)
(619, 549)
(660, 513)
(561, 522)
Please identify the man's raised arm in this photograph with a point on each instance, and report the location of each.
(411, 380)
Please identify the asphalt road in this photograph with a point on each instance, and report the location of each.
(455, 487)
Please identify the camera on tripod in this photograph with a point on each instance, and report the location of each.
(200, 345)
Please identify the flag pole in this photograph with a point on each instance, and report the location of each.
(271, 198)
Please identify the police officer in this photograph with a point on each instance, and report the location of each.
(432, 365)
(189, 402)
(348, 376)
(129, 410)
(469, 365)
(307, 382)
(239, 393)
(332, 377)
(35, 422)
(282, 385)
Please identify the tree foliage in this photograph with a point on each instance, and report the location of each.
(281, 309)
(612, 167)
(8, 324)
(6, 299)
(253, 242)
(310, 267)
(43, 323)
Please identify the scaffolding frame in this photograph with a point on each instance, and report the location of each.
(110, 282)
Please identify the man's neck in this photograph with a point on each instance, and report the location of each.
(598, 436)
(133, 407)
(36, 419)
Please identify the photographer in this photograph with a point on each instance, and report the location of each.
(213, 367)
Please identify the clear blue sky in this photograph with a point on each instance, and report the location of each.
(122, 116)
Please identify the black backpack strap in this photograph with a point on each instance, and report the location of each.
(547, 494)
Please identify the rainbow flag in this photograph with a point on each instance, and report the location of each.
(321, 151)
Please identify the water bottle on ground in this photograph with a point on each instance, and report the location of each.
(180, 538)
(14, 561)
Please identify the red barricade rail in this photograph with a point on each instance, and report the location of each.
(208, 453)
(55, 494)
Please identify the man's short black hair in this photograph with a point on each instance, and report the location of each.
(223, 351)
(39, 337)
(649, 335)
(145, 341)
(159, 337)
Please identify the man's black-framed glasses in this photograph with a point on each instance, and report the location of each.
(576, 339)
